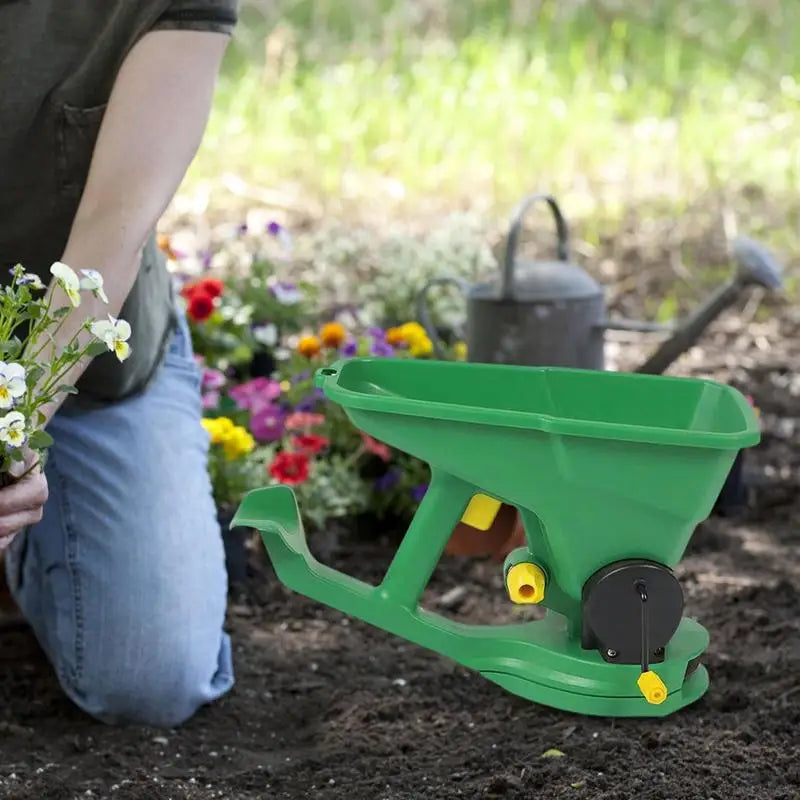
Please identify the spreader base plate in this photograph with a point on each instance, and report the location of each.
(692, 690)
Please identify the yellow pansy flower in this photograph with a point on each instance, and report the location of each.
(420, 346)
(413, 331)
(218, 428)
(238, 443)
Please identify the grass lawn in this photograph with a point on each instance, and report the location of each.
(377, 109)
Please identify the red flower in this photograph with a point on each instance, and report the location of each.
(310, 443)
(290, 468)
(211, 286)
(376, 448)
(201, 306)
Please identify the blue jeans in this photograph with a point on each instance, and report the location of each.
(123, 581)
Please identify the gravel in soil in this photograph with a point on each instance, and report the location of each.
(328, 707)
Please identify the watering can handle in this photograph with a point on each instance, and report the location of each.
(562, 233)
(423, 312)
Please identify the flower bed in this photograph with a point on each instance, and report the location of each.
(259, 340)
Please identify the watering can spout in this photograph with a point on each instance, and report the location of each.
(754, 266)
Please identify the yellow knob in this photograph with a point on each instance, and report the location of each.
(525, 583)
(652, 687)
(481, 512)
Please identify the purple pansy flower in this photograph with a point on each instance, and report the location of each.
(382, 349)
(418, 492)
(388, 480)
(286, 294)
(267, 424)
(280, 233)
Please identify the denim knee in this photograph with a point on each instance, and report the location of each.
(161, 687)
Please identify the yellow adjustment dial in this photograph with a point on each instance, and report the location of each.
(525, 583)
(652, 687)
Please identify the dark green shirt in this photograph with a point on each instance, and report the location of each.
(58, 63)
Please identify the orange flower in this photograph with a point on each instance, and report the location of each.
(395, 337)
(166, 247)
(309, 346)
(333, 334)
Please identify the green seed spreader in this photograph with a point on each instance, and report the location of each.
(611, 473)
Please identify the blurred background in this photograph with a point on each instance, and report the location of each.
(661, 129)
(420, 105)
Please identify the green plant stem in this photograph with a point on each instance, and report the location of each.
(51, 335)
(53, 381)
(35, 333)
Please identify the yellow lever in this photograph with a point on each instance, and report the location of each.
(481, 512)
(652, 687)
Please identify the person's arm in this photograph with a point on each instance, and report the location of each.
(152, 128)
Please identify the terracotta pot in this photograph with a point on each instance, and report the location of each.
(497, 542)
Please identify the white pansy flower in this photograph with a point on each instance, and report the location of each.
(266, 335)
(32, 280)
(12, 429)
(93, 281)
(115, 333)
(12, 383)
(68, 281)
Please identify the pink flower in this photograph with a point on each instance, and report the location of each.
(255, 394)
(213, 379)
(303, 421)
(376, 448)
(211, 399)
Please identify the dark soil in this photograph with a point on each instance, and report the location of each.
(327, 707)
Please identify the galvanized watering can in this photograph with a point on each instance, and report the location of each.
(553, 313)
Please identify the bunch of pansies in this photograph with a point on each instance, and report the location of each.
(32, 369)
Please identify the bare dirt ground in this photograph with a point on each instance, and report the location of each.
(327, 707)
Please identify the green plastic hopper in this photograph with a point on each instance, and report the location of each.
(611, 473)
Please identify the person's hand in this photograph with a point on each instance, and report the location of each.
(22, 503)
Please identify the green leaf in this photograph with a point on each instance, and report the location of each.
(33, 311)
(33, 373)
(66, 389)
(61, 312)
(96, 349)
(16, 454)
(39, 440)
(13, 347)
(552, 753)
(41, 417)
